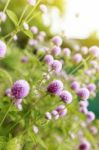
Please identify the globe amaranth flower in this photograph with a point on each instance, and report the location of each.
(94, 50)
(77, 58)
(75, 85)
(56, 66)
(83, 103)
(2, 49)
(91, 87)
(32, 2)
(56, 50)
(48, 59)
(84, 145)
(57, 40)
(20, 89)
(43, 8)
(90, 116)
(55, 87)
(2, 16)
(34, 29)
(66, 52)
(83, 93)
(66, 97)
(62, 111)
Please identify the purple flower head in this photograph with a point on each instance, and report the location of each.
(75, 85)
(56, 50)
(32, 42)
(84, 50)
(83, 103)
(84, 145)
(93, 130)
(83, 93)
(91, 87)
(66, 97)
(57, 40)
(32, 2)
(67, 52)
(77, 58)
(55, 87)
(2, 49)
(8, 92)
(34, 29)
(90, 116)
(56, 66)
(20, 89)
(94, 50)
(24, 59)
(61, 110)
(48, 59)
(43, 8)
(2, 16)
(83, 110)
(48, 115)
(55, 114)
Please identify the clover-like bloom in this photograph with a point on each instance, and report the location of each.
(75, 85)
(48, 59)
(20, 89)
(66, 97)
(84, 145)
(2, 16)
(90, 116)
(91, 87)
(83, 93)
(57, 40)
(56, 50)
(2, 49)
(55, 87)
(56, 66)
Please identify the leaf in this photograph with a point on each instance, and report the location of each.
(12, 16)
(28, 33)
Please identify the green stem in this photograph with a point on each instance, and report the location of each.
(7, 75)
(6, 114)
(25, 9)
(33, 17)
(32, 10)
(6, 5)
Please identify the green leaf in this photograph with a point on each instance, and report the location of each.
(28, 33)
(12, 16)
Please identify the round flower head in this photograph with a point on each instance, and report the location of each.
(32, 2)
(24, 59)
(75, 85)
(83, 103)
(56, 66)
(34, 29)
(84, 50)
(57, 40)
(67, 52)
(77, 58)
(35, 129)
(66, 97)
(48, 115)
(91, 87)
(84, 145)
(56, 50)
(32, 42)
(55, 114)
(43, 8)
(48, 59)
(55, 87)
(90, 116)
(25, 26)
(93, 130)
(2, 49)
(20, 89)
(61, 110)
(15, 37)
(83, 93)
(83, 110)
(94, 50)
(2, 16)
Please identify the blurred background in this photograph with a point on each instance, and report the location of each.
(76, 20)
